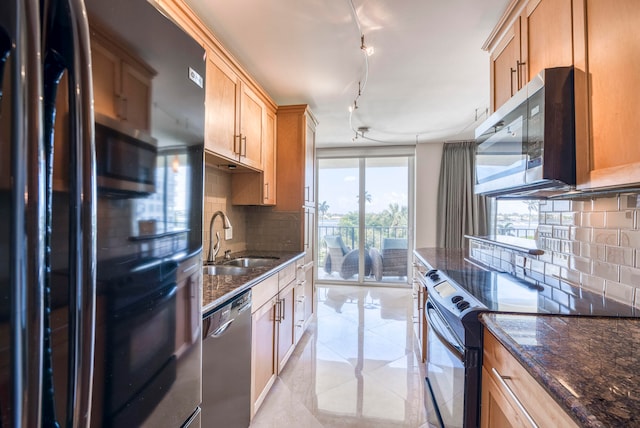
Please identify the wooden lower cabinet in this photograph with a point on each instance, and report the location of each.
(285, 324)
(511, 397)
(263, 352)
(419, 301)
(275, 329)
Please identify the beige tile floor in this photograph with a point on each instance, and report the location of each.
(354, 367)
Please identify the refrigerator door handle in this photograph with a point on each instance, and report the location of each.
(67, 46)
(83, 229)
(20, 46)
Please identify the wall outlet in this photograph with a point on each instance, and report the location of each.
(228, 233)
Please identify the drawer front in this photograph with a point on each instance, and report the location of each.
(286, 275)
(520, 386)
(263, 291)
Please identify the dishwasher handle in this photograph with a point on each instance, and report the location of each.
(217, 323)
(220, 330)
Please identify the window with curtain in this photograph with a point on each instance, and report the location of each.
(460, 211)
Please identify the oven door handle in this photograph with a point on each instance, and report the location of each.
(436, 324)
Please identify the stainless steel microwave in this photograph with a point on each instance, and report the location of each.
(125, 159)
(527, 147)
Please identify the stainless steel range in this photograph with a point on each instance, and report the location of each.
(454, 338)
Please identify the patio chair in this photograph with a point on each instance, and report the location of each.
(342, 259)
(393, 259)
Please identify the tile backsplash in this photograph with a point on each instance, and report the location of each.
(593, 243)
(217, 196)
(254, 228)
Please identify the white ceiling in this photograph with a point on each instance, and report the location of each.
(426, 79)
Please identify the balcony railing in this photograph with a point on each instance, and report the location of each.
(350, 235)
(519, 232)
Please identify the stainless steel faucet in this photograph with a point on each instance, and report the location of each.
(214, 248)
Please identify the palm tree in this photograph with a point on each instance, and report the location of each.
(367, 196)
(323, 208)
(532, 206)
(396, 214)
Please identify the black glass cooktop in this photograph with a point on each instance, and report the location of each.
(501, 292)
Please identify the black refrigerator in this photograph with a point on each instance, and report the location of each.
(101, 199)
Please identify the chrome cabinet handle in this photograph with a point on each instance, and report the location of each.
(521, 80)
(236, 139)
(266, 185)
(513, 70)
(501, 380)
(277, 311)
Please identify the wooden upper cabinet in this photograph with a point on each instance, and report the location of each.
(259, 188)
(269, 155)
(531, 36)
(121, 80)
(504, 65)
(606, 41)
(222, 103)
(251, 108)
(234, 124)
(296, 158)
(546, 29)
(310, 163)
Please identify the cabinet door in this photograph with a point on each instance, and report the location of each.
(419, 301)
(504, 65)
(308, 234)
(269, 158)
(263, 353)
(606, 41)
(309, 295)
(251, 132)
(222, 101)
(547, 39)
(136, 97)
(309, 163)
(258, 188)
(496, 410)
(286, 325)
(107, 88)
(299, 312)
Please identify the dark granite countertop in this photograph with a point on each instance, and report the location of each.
(446, 258)
(217, 289)
(520, 244)
(589, 365)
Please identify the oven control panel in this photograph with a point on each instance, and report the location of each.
(448, 293)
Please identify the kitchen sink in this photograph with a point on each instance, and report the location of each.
(225, 270)
(249, 262)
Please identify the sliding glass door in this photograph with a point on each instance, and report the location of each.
(386, 217)
(338, 219)
(364, 221)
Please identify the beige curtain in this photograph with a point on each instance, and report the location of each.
(460, 211)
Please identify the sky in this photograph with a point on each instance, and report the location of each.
(339, 188)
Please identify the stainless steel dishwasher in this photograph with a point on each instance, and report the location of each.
(226, 365)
